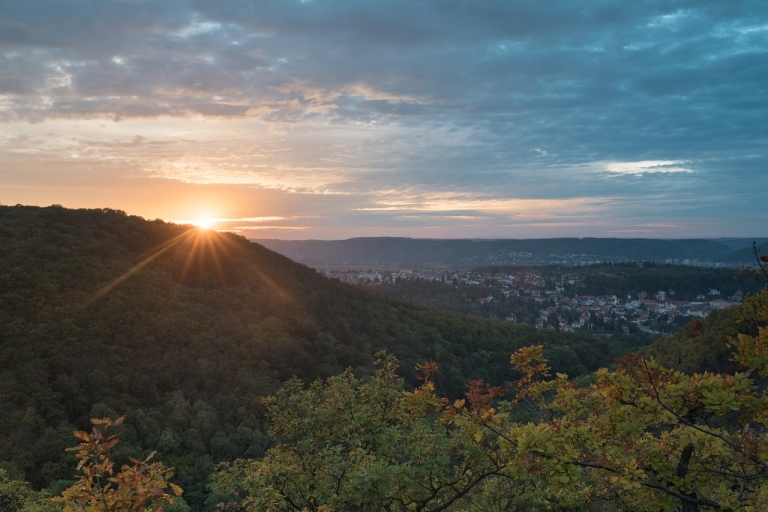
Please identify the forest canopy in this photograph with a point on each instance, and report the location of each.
(185, 331)
(636, 437)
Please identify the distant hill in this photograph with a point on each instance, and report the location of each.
(743, 256)
(467, 253)
(184, 331)
(742, 243)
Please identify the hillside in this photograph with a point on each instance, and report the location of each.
(742, 243)
(702, 346)
(185, 330)
(466, 253)
(745, 255)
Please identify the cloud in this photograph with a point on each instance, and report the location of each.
(648, 166)
(511, 102)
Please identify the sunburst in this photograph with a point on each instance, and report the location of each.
(205, 223)
(200, 242)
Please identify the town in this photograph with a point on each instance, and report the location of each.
(557, 299)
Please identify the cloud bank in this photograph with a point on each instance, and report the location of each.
(435, 118)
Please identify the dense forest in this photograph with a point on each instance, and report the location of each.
(640, 436)
(185, 331)
(703, 345)
(463, 298)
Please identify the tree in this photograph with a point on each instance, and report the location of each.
(18, 496)
(647, 436)
(637, 437)
(759, 274)
(99, 488)
(643, 435)
(351, 444)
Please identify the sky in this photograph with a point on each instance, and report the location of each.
(330, 119)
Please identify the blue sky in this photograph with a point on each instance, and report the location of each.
(437, 118)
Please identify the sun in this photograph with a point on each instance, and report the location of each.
(205, 223)
(201, 246)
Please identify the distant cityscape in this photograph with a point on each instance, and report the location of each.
(635, 313)
(575, 260)
(520, 295)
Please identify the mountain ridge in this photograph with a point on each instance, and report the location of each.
(467, 253)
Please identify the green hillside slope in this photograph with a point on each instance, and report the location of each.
(185, 330)
(702, 346)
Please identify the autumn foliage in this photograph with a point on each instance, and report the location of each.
(638, 436)
(100, 488)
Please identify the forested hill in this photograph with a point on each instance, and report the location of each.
(704, 346)
(467, 253)
(185, 330)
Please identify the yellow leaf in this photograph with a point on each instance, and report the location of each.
(82, 435)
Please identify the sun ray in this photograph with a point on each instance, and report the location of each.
(214, 246)
(190, 257)
(204, 244)
(154, 253)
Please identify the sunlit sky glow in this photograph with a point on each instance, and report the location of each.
(443, 118)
